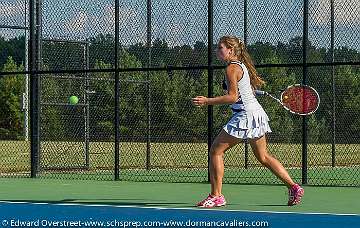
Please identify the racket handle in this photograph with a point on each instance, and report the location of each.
(260, 93)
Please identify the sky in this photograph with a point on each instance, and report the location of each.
(184, 22)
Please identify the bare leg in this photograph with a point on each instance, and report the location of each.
(258, 146)
(222, 143)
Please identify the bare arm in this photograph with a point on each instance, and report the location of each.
(232, 72)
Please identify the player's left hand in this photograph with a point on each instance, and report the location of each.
(200, 101)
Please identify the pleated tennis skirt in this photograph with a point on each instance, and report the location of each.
(248, 124)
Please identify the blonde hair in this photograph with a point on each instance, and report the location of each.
(234, 43)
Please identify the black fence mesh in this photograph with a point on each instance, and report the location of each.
(276, 28)
(77, 140)
(163, 137)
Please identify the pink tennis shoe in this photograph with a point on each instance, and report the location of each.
(212, 201)
(295, 194)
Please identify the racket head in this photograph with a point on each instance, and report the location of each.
(300, 99)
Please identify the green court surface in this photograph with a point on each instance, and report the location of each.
(334, 200)
(320, 176)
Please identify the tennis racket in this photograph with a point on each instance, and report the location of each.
(298, 99)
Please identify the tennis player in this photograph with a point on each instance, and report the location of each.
(249, 121)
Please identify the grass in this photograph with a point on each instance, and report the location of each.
(186, 162)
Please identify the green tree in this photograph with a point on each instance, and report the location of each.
(347, 84)
(189, 122)
(53, 125)
(14, 48)
(11, 89)
(132, 100)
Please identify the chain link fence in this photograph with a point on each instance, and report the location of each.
(135, 65)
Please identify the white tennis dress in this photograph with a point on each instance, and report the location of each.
(249, 119)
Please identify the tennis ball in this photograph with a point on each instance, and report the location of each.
(73, 100)
(286, 97)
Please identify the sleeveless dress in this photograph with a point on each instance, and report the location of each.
(249, 119)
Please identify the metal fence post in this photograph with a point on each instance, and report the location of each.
(210, 79)
(332, 36)
(246, 155)
(117, 98)
(34, 93)
(304, 81)
(148, 111)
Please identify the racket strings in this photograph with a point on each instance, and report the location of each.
(300, 100)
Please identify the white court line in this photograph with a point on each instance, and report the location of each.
(180, 208)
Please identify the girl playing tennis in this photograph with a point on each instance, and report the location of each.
(249, 121)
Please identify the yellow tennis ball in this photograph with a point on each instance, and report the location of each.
(286, 97)
(73, 100)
